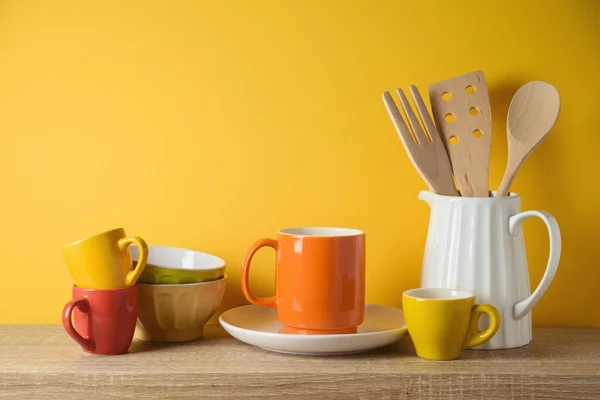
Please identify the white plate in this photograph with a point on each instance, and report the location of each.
(258, 326)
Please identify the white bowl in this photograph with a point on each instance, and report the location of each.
(172, 265)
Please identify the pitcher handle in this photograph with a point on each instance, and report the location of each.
(514, 224)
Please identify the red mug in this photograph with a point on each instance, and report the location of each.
(102, 321)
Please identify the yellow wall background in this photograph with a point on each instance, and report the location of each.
(209, 124)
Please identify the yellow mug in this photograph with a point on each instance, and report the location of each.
(443, 322)
(103, 261)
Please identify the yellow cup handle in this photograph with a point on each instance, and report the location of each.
(475, 337)
(124, 244)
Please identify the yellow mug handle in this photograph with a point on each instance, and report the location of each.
(475, 337)
(124, 244)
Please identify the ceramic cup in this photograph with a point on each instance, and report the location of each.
(103, 261)
(177, 313)
(102, 321)
(171, 265)
(443, 322)
(320, 279)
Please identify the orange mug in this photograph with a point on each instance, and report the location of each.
(320, 279)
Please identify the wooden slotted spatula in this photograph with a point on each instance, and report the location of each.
(427, 154)
(461, 110)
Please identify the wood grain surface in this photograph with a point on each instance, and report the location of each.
(42, 362)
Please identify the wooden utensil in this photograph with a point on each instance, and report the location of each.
(461, 110)
(427, 154)
(532, 113)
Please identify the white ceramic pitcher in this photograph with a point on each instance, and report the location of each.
(476, 244)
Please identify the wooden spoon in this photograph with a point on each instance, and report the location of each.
(532, 113)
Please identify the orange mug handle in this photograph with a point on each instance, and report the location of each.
(84, 307)
(259, 301)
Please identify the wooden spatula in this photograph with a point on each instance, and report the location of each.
(427, 154)
(461, 110)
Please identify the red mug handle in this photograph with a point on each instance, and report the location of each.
(84, 306)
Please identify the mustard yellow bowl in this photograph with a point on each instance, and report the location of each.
(176, 313)
(172, 265)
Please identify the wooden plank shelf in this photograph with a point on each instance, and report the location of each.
(42, 362)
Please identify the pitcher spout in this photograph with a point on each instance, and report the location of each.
(426, 196)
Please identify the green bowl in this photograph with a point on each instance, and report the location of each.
(171, 265)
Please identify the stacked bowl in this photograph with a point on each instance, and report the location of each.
(178, 292)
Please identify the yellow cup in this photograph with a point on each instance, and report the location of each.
(103, 261)
(443, 322)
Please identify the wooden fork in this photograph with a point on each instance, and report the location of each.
(427, 154)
